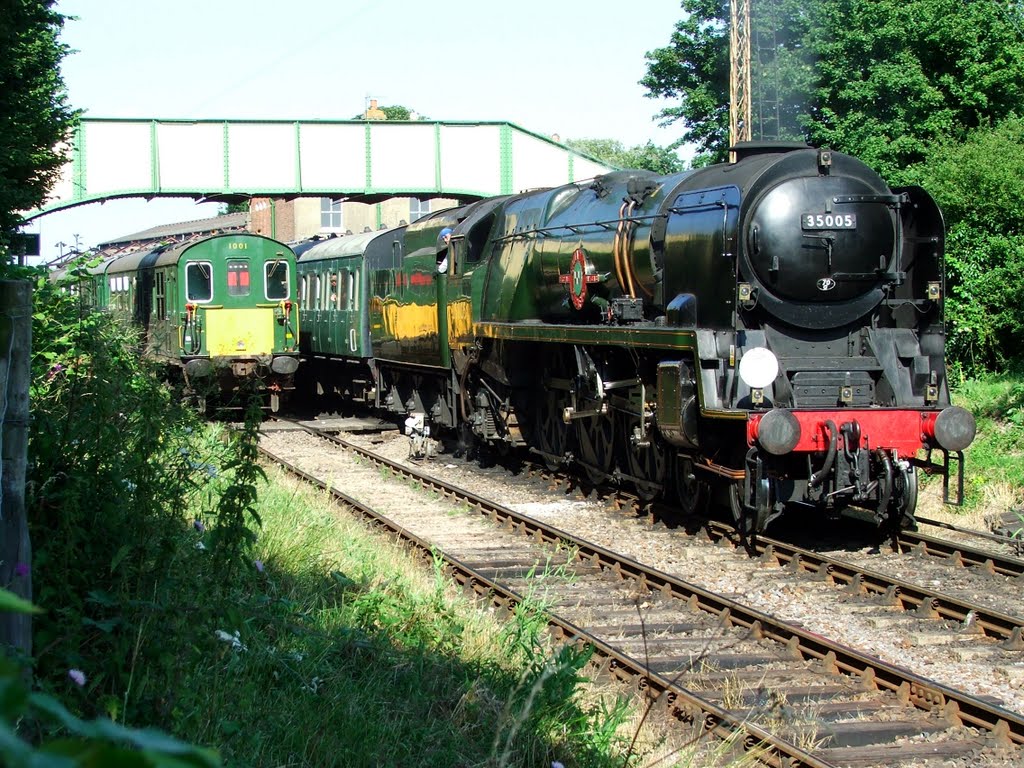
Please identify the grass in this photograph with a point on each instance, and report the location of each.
(352, 655)
(994, 462)
(352, 652)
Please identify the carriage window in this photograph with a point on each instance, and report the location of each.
(333, 294)
(276, 279)
(344, 286)
(199, 281)
(353, 286)
(161, 296)
(238, 278)
(317, 293)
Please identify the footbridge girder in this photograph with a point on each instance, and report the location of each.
(367, 160)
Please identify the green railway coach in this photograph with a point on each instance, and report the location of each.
(334, 298)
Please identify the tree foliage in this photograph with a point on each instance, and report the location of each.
(979, 183)
(879, 79)
(647, 156)
(34, 114)
(926, 92)
(394, 112)
(694, 68)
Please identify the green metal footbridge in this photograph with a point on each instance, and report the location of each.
(362, 160)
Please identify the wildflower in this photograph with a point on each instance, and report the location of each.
(77, 677)
(54, 370)
(234, 640)
(200, 546)
(557, 764)
(21, 570)
(259, 565)
(314, 685)
(198, 525)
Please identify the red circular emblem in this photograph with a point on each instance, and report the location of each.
(577, 278)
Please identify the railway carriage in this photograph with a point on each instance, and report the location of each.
(334, 313)
(216, 310)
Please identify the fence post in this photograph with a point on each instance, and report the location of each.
(15, 374)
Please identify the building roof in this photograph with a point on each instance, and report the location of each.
(231, 222)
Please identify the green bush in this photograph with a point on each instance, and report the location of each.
(118, 467)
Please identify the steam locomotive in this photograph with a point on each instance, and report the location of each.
(768, 332)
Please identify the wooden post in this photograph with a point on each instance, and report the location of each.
(15, 374)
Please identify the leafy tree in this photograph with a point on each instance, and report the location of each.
(228, 208)
(394, 112)
(34, 115)
(879, 79)
(397, 112)
(895, 75)
(648, 156)
(694, 68)
(979, 183)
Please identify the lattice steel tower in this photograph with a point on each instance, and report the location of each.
(739, 73)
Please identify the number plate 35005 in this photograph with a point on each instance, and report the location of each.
(828, 221)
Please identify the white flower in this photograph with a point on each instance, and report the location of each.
(314, 685)
(234, 640)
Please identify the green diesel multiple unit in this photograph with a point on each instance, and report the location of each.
(215, 309)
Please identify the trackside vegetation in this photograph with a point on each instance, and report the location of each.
(995, 461)
(180, 590)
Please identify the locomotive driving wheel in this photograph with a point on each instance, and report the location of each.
(552, 436)
(595, 438)
(689, 491)
(646, 464)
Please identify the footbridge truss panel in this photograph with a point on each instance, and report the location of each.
(225, 160)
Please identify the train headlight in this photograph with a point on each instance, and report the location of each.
(778, 432)
(954, 428)
(758, 367)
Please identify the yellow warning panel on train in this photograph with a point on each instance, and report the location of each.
(234, 332)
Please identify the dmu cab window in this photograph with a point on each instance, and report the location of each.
(276, 279)
(199, 281)
(238, 277)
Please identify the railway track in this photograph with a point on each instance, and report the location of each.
(859, 579)
(927, 602)
(961, 554)
(699, 656)
(900, 593)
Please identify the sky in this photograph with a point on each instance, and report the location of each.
(566, 67)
